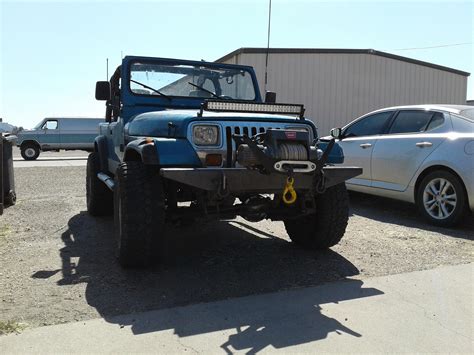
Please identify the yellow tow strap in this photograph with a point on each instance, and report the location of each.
(289, 193)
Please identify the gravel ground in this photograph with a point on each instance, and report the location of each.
(58, 265)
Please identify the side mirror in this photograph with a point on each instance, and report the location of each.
(270, 97)
(336, 133)
(102, 90)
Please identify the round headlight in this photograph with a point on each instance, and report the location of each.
(205, 135)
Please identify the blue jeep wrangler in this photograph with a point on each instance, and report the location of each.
(185, 140)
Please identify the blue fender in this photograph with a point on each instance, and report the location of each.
(163, 152)
(176, 152)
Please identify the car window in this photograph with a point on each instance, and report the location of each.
(469, 113)
(436, 121)
(462, 124)
(50, 124)
(368, 126)
(410, 122)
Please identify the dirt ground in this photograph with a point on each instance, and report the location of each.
(57, 263)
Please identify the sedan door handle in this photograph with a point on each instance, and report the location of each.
(365, 145)
(424, 144)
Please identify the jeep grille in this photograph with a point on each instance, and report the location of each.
(247, 129)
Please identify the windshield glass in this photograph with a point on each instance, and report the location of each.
(38, 126)
(191, 81)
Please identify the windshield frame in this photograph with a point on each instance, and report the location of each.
(210, 65)
(40, 124)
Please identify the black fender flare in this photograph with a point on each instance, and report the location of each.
(100, 146)
(142, 150)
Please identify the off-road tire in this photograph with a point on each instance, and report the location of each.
(29, 147)
(10, 198)
(327, 226)
(139, 214)
(98, 195)
(459, 211)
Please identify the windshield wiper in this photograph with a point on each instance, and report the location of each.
(150, 88)
(205, 90)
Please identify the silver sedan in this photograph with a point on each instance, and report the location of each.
(421, 154)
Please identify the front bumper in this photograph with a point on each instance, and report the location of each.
(242, 180)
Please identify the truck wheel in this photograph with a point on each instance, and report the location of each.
(441, 199)
(139, 213)
(327, 226)
(30, 151)
(98, 195)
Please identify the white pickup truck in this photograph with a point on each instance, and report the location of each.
(68, 133)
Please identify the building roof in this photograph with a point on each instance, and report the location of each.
(344, 51)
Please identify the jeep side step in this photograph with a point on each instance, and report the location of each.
(107, 180)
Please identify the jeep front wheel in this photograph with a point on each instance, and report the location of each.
(139, 214)
(326, 227)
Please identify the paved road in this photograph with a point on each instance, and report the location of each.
(51, 159)
(63, 154)
(426, 312)
(50, 162)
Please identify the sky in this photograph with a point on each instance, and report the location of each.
(53, 52)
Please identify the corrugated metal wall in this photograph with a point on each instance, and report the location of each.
(338, 87)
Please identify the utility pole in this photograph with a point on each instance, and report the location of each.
(107, 69)
(268, 43)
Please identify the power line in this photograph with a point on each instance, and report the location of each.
(440, 46)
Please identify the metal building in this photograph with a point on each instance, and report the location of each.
(338, 85)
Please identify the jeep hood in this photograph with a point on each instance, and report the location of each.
(174, 123)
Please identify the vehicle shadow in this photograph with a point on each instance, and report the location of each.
(282, 319)
(404, 214)
(214, 262)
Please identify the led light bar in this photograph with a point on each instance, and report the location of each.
(245, 106)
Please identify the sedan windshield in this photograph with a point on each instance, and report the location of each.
(201, 81)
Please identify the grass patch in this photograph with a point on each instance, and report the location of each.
(11, 327)
(4, 232)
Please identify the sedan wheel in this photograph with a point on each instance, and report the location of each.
(441, 198)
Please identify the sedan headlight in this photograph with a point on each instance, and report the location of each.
(205, 135)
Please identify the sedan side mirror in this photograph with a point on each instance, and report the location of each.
(102, 91)
(336, 133)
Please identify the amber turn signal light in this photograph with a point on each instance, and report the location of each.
(213, 160)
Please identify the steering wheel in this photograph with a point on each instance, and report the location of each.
(225, 97)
